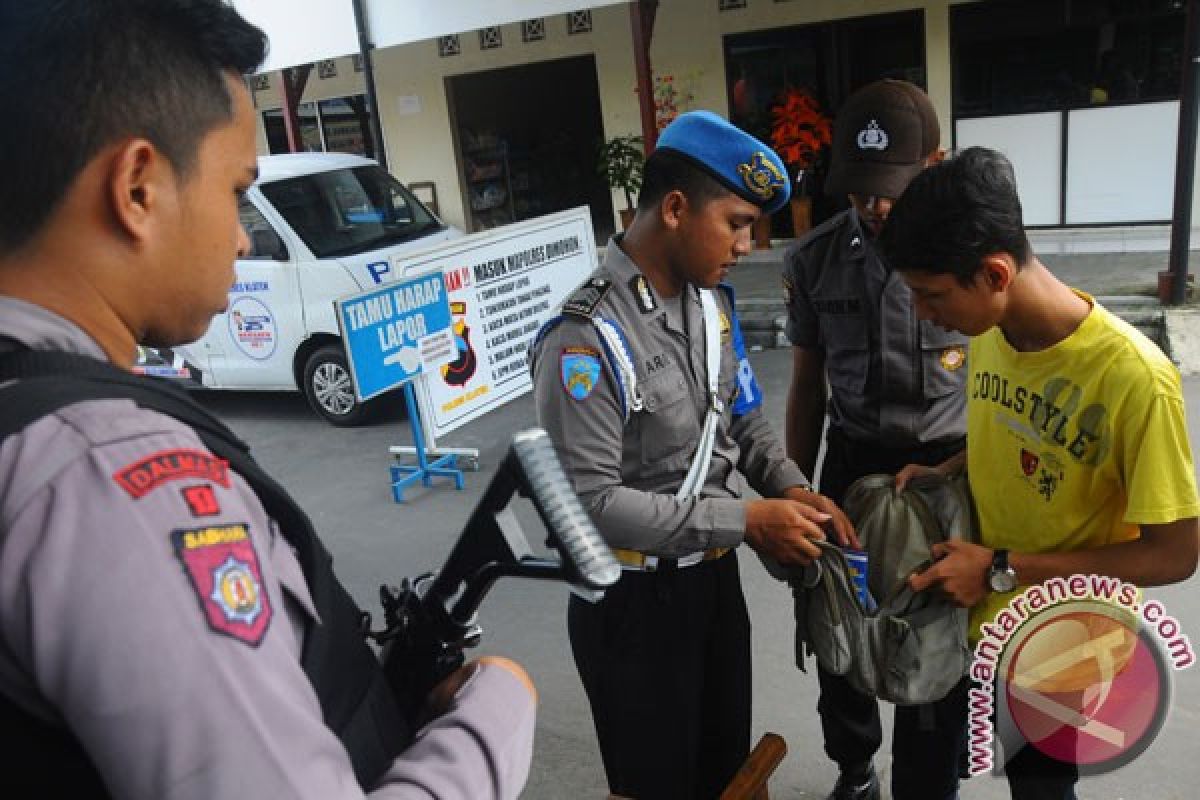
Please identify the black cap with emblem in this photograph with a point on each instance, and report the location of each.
(881, 138)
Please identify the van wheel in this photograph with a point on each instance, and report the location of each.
(329, 389)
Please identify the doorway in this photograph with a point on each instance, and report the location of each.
(526, 139)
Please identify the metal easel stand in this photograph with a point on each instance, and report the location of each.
(445, 466)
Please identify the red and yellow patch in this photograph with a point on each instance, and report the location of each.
(147, 474)
(222, 566)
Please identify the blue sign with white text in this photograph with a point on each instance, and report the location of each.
(394, 332)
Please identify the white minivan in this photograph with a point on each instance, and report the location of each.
(321, 226)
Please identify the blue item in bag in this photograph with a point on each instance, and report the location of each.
(857, 561)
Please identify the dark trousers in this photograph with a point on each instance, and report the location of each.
(1033, 775)
(665, 661)
(928, 742)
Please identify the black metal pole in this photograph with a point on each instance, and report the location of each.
(1185, 159)
(364, 50)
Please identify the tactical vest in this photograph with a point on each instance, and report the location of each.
(356, 702)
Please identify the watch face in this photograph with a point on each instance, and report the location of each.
(1003, 581)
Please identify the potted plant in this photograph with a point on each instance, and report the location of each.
(619, 161)
(800, 133)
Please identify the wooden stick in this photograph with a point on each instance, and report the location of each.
(750, 782)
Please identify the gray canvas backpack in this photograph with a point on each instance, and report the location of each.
(913, 648)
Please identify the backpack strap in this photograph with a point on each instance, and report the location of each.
(336, 658)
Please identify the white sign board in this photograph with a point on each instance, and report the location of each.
(307, 31)
(503, 285)
(302, 31)
(392, 23)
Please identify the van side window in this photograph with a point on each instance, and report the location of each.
(265, 244)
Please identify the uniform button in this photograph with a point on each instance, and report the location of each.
(681, 383)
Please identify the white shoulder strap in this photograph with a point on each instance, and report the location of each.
(694, 481)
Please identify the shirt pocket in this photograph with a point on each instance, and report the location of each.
(847, 357)
(667, 426)
(943, 360)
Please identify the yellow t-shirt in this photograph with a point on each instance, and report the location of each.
(1073, 447)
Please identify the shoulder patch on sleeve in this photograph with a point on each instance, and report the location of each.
(201, 500)
(586, 298)
(580, 371)
(222, 566)
(147, 474)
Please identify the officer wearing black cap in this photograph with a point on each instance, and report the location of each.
(644, 385)
(895, 393)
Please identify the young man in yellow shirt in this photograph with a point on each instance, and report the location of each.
(1077, 446)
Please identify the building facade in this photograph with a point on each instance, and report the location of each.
(503, 123)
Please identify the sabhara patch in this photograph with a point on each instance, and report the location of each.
(222, 566)
(580, 369)
(147, 474)
(953, 358)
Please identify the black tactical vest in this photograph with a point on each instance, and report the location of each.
(355, 700)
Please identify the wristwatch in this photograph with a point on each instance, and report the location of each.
(1002, 577)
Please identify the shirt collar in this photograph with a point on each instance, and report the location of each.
(41, 329)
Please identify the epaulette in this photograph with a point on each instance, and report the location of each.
(587, 297)
(827, 227)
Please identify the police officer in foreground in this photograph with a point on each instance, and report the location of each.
(895, 395)
(644, 386)
(161, 634)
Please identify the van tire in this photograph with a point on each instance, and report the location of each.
(329, 390)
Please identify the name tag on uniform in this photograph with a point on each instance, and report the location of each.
(838, 305)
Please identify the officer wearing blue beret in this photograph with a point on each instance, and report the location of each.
(644, 385)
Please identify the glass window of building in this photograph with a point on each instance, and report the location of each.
(1019, 56)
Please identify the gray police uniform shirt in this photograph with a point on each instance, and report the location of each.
(101, 625)
(895, 380)
(626, 473)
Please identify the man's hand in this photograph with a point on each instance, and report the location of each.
(785, 530)
(960, 571)
(842, 527)
(911, 471)
(444, 693)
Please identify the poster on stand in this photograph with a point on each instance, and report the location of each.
(502, 286)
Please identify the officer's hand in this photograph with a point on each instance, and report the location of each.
(444, 693)
(839, 524)
(960, 571)
(911, 471)
(785, 530)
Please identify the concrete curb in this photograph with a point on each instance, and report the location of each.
(1183, 338)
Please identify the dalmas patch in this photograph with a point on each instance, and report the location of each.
(147, 474)
(223, 568)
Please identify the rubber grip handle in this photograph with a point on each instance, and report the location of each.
(571, 530)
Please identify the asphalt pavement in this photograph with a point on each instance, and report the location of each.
(341, 478)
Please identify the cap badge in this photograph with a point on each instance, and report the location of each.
(761, 176)
(872, 137)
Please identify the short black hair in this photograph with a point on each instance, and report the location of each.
(954, 214)
(78, 75)
(665, 171)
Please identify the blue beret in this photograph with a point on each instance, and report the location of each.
(743, 164)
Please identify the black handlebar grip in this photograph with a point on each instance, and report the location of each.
(571, 530)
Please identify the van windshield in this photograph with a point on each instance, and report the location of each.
(349, 211)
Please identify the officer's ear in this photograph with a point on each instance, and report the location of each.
(997, 271)
(139, 177)
(672, 208)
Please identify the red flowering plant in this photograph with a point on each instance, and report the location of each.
(800, 132)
